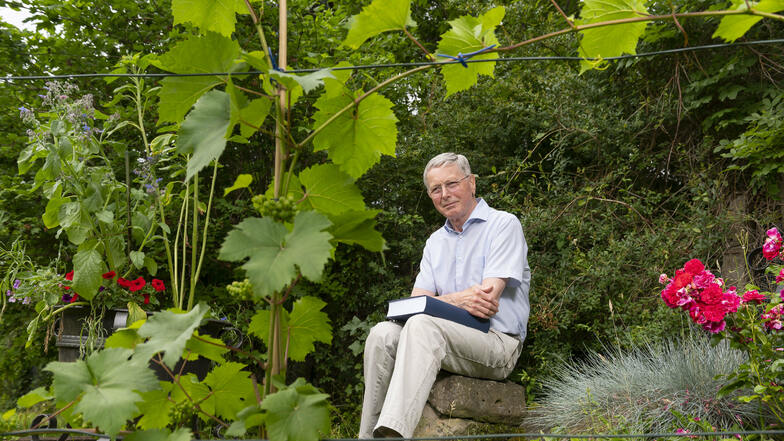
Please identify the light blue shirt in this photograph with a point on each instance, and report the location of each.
(491, 244)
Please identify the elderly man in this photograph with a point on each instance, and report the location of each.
(477, 261)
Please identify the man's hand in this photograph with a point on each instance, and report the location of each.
(479, 300)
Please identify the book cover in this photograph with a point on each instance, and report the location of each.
(402, 309)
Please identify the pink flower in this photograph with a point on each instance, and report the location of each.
(753, 296)
(780, 277)
(731, 301)
(714, 327)
(772, 244)
(663, 279)
(704, 279)
(773, 317)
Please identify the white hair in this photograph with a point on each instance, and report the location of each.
(446, 159)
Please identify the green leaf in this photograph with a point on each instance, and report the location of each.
(208, 347)
(733, 27)
(51, 216)
(302, 327)
(609, 41)
(209, 15)
(357, 138)
(307, 324)
(198, 54)
(242, 181)
(329, 190)
(203, 133)
(276, 254)
(377, 17)
(181, 434)
(34, 397)
(357, 228)
(297, 413)
(123, 338)
(105, 216)
(469, 34)
(307, 82)
(88, 267)
(168, 332)
(231, 389)
(155, 408)
(137, 258)
(254, 113)
(107, 384)
(151, 265)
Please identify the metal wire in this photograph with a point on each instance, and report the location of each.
(463, 437)
(389, 65)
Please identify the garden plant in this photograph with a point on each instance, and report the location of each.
(231, 85)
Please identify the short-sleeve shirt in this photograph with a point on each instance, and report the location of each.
(491, 244)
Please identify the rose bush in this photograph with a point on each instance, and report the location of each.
(755, 323)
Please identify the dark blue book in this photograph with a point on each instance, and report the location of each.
(402, 309)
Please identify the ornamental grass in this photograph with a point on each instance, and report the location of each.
(643, 390)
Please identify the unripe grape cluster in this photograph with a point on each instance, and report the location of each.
(242, 290)
(282, 209)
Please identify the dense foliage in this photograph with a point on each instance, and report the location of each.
(615, 174)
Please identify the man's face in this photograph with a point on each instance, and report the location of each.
(452, 193)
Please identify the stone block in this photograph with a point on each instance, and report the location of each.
(488, 401)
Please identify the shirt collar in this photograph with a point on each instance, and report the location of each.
(480, 213)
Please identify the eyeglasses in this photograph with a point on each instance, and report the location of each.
(438, 190)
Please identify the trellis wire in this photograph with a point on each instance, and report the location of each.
(390, 65)
(592, 436)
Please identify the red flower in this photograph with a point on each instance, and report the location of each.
(158, 285)
(137, 284)
(109, 275)
(712, 295)
(753, 296)
(146, 298)
(694, 267)
(74, 298)
(124, 282)
(69, 276)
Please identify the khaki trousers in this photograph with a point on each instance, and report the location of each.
(401, 364)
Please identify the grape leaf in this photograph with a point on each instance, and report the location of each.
(378, 17)
(329, 190)
(609, 41)
(208, 347)
(302, 327)
(198, 54)
(297, 413)
(307, 324)
(33, 397)
(733, 27)
(357, 228)
(209, 15)
(275, 254)
(155, 407)
(107, 384)
(88, 267)
(231, 389)
(469, 34)
(181, 434)
(203, 133)
(242, 181)
(357, 138)
(307, 82)
(168, 332)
